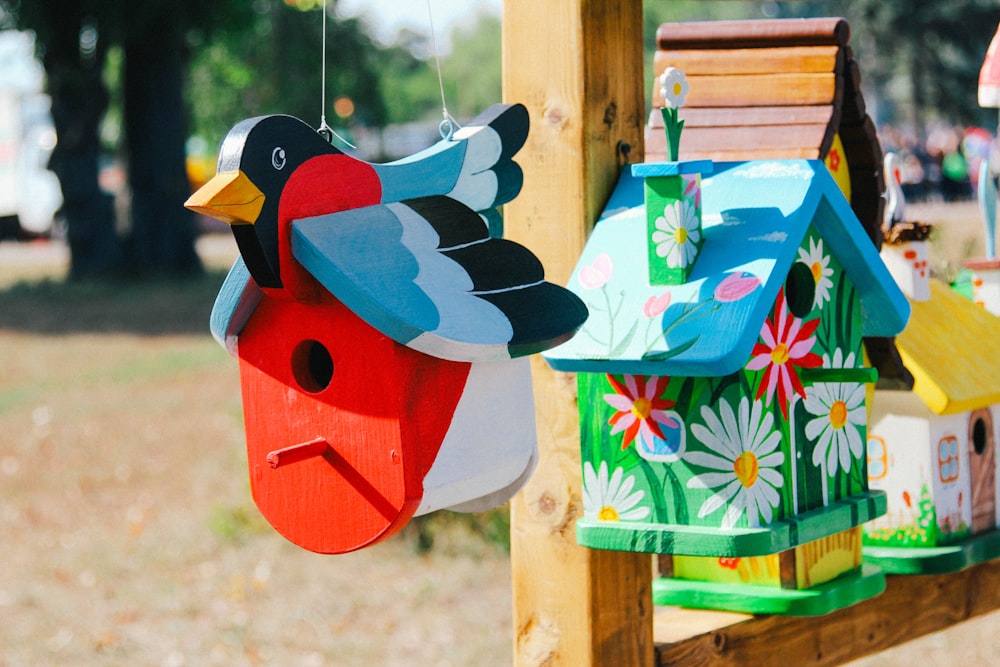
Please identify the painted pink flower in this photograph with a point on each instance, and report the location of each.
(786, 342)
(656, 304)
(735, 287)
(641, 408)
(597, 273)
(692, 190)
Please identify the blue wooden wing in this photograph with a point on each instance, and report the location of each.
(237, 299)
(475, 166)
(426, 273)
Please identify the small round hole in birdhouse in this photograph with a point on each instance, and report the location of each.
(312, 366)
(800, 289)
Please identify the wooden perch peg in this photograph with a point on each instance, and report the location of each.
(296, 453)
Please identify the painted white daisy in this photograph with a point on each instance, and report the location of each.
(819, 265)
(745, 456)
(611, 499)
(677, 233)
(840, 418)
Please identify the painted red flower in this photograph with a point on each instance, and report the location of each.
(834, 160)
(640, 408)
(729, 563)
(786, 344)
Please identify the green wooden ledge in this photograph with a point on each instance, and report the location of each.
(848, 589)
(935, 560)
(778, 536)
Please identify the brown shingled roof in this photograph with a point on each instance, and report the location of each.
(772, 89)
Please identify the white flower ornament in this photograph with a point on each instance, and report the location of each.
(673, 87)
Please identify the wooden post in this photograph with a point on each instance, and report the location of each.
(577, 66)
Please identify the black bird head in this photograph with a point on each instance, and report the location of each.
(255, 161)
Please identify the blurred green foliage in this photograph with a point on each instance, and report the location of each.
(260, 57)
(454, 532)
(273, 65)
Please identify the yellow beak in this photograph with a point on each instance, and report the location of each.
(230, 196)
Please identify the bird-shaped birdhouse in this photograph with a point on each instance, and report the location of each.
(381, 329)
(724, 419)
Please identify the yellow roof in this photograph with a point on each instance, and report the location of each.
(952, 347)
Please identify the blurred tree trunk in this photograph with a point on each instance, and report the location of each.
(74, 60)
(162, 234)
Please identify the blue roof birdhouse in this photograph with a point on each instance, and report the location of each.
(726, 415)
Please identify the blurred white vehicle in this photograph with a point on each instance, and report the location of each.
(29, 193)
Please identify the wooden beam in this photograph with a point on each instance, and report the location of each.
(577, 66)
(910, 607)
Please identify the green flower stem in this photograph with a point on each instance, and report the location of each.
(864, 375)
(680, 498)
(687, 315)
(672, 125)
(659, 501)
(611, 320)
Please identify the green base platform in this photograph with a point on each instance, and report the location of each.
(935, 560)
(778, 536)
(842, 592)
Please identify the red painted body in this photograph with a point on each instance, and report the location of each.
(384, 413)
(325, 184)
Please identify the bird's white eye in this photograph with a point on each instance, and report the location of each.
(278, 158)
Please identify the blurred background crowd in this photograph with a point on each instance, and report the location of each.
(941, 162)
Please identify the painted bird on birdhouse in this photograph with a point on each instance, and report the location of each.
(378, 324)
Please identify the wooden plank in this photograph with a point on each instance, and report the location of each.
(740, 156)
(910, 607)
(759, 89)
(572, 606)
(756, 116)
(717, 62)
(766, 138)
(750, 34)
(723, 155)
(741, 143)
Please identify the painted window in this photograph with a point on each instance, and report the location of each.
(878, 458)
(948, 458)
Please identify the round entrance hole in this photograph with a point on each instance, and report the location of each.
(312, 366)
(979, 436)
(800, 289)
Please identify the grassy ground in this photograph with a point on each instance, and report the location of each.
(127, 532)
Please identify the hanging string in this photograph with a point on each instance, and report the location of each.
(449, 124)
(325, 130)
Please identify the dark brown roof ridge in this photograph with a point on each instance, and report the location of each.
(753, 34)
